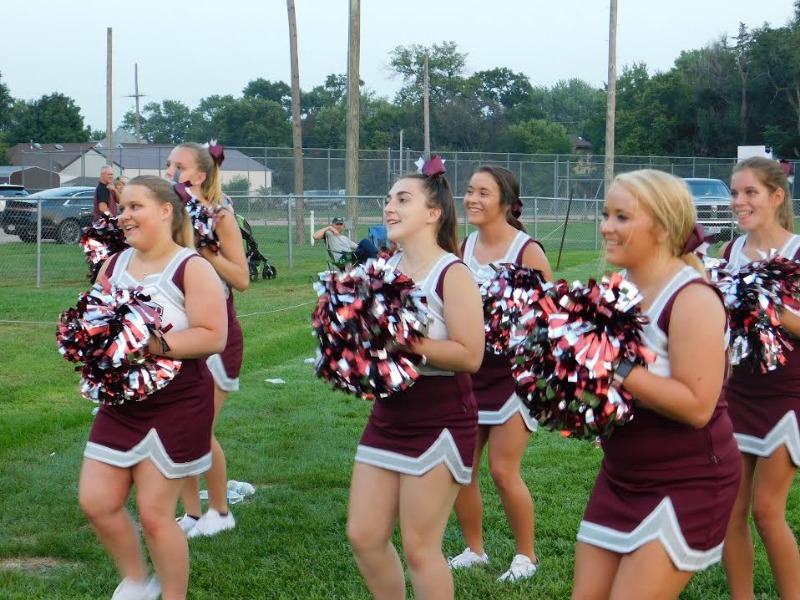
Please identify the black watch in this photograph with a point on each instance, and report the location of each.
(623, 369)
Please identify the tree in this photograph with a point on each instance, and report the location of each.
(253, 122)
(52, 118)
(277, 91)
(6, 104)
(536, 137)
(238, 184)
(167, 122)
(446, 70)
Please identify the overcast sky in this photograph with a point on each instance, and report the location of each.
(189, 50)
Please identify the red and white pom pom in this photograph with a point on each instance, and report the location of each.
(753, 296)
(109, 331)
(510, 300)
(361, 315)
(100, 240)
(565, 366)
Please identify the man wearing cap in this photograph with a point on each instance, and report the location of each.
(338, 243)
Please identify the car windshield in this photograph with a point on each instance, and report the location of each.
(711, 187)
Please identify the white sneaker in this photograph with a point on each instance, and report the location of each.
(131, 589)
(186, 523)
(522, 567)
(212, 523)
(467, 559)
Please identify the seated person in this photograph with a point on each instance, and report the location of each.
(339, 244)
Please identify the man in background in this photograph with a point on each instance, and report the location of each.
(339, 244)
(105, 196)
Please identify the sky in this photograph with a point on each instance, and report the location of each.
(190, 50)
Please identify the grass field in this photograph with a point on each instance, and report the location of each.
(293, 441)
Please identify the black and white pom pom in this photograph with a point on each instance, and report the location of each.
(753, 295)
(565, 365)
(361, 316)
(100, 240)
(203, 220)
(109, 331)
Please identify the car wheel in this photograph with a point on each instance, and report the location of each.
(27, 237)
(68, 232)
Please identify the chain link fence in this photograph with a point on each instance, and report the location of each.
(46, 255)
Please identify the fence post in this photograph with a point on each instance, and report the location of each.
(39, 243)
(289, 228)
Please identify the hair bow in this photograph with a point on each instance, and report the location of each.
(216, 151)
(516, 208)
(696, 239)
(433, 166)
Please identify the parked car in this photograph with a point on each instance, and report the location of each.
(316, 199)
(65, 212)
(9, 190)
(712, 199)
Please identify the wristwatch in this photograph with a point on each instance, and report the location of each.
(623, 369)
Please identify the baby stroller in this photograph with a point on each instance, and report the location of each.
(256, 261)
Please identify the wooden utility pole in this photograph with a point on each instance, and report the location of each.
(297, 132)
(109, 99)
(426, 108)
(611, 105)
(353, 107)
(137, 95)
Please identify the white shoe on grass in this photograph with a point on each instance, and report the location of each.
(212, 523)
(131, 589)
(186, 523)
(522, 567)
(467, 559)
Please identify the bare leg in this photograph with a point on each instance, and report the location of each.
(374, 494)
(156, 497)
(648, 573)
(469, 507)
(771, 486)
(102, 492)
(595, 569)
(425, 505)
(737, 554)
(216, 477)
(507, 443)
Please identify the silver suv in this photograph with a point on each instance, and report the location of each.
(712, 199)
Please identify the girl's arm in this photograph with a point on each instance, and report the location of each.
(463, 315)
(535, 258)
(208, 320)
(697, 360)
(230, 262)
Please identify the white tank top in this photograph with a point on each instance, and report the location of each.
(159, 286)
(484, 272)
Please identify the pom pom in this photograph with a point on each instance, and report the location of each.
(361, 315)
(510, 299)
(100, 240)
(753, 296)
(576, 337)
(203, 220)
(108, 331)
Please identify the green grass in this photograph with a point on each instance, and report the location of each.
(295, 442)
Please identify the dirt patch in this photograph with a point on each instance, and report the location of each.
(31, 563)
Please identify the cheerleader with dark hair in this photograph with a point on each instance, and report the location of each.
(493, 205)
(418, 445)
(764, 407)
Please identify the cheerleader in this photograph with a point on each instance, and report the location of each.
(418, 445)
(764, 407)
(199, 170)
(493, 205)
(668, 480)
(155, 444)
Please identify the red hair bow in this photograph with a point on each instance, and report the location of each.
(433, 166)
(217, 152)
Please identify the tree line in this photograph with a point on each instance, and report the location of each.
(742, 90)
